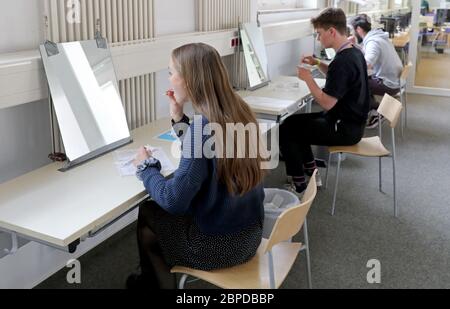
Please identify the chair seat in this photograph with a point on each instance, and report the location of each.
(367, 147)
(255, 273)
(380, 98)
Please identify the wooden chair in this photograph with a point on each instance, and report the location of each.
(391, 109)
(402, 96)
(275, 256)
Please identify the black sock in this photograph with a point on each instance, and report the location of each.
(300, 183)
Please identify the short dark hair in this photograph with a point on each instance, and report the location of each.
(362, 21)
(331, 17)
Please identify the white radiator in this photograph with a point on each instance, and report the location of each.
(222, 14)
(216, 15)
(118, 20)
(121, 22)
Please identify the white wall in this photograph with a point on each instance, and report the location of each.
(280, 17)
(25, 144)
(434, 3)
(24, 138)
(21, 25)
(174, 16)
(284, 57)
(439, 4)
(24, 130)
(171, 21)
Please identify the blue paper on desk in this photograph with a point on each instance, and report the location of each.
(168, 137)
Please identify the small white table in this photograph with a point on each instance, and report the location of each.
(59, 209)
(291, 92)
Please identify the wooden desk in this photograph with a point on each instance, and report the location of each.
(58, 209)
(274, 91)
(400, 41)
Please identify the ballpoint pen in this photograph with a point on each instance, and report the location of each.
(128, 162)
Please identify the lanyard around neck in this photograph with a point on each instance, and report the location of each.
(343, 47)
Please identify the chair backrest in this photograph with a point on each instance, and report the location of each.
(405, 74)
(391, 109)
(290, 222)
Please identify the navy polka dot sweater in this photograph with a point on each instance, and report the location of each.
(195, 190)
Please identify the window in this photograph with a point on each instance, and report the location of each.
(398, 4)
(286, 4)
(374, 5)
(352, 8)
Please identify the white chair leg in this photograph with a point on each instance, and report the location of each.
(405, 104)
(182, 282)
(380, 132)
(402, 115)
(328, 170)
(271, 271)
(333, 210)
(402, 125)
(394, 173)
(380, 174)
(308, 257)
(395, 189)
(380, 127)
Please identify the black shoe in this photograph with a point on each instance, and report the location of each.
(139, 282)
(373, 122)
(297, 191)
(321, 163)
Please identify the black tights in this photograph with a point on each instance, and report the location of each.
(153, 265)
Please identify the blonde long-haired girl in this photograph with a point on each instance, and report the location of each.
(210, 214)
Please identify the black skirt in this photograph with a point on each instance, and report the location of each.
(183, 244)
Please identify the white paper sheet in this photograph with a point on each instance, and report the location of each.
(124, 161)
(268, 102)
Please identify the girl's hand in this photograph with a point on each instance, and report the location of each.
(142, 155)
(176, 109)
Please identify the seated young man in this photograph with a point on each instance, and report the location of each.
(381, 58)
(345, 100)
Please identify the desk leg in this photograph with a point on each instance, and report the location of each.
(14, 244)
(308, 103)
(401, 53)
(73, 246)
(405, 56)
